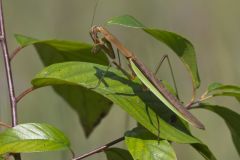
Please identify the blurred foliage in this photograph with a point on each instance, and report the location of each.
(212, 32)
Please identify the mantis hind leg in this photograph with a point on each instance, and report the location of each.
(165, 57)
(173, 118)
(173, 78)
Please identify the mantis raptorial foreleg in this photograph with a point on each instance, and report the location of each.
(106, 46)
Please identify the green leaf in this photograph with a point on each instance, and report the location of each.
(218, 89)
(180, 45)
(180, 110)
(55, 51)
(129, 95)
(204, 151)
(222, 87)
(238, 99)
(90, 111)
(214, 86)
(142, 133)
(231, 118)
(32, 137)
(231, 94)
(25, 40)
(118, 154)
(126, 21)
(143, 146)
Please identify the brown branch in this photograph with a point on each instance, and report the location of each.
(7, 66)
(5, 125)
(24, 93)
(100, 149)
(193, 104)
(15, 52)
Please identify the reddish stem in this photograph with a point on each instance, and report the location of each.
(3, 43)
(5, 125)
(15, 52)
(100, 149)
(8, 68)
(24, 93)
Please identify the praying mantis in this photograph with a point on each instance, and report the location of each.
(142, 72)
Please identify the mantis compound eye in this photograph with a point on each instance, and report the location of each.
(93, 33)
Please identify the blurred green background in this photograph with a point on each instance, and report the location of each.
(212, 26)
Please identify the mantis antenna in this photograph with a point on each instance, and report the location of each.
(94, 11)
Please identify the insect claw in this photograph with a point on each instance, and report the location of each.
(96, 49)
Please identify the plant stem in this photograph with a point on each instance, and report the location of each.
(3, 43)
(191, 105)
(100, 149)
(8, 68)
(15, 52)
(5, 125)
(24, 93)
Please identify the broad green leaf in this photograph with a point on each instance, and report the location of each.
(32, 137)
(141, 132)
(231, 94)
(55, 51)
(180, 45)
(231, 118)
(238, 99)
(222, 87)
(127, 21)
(218, 89)
(90, 111)
(201, 148)
(25, 40)
(127, 94)
(204, 151)
(144, 146)
(181, 112)
(118, 154)
(150, 149)
(214, 86)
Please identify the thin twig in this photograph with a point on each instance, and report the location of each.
(205, 98)
(24, 93)
(15, 52)
(100, 149)
(72, 152)
(8, 68)
(5, 125)
(191, 105)
(3, 43)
